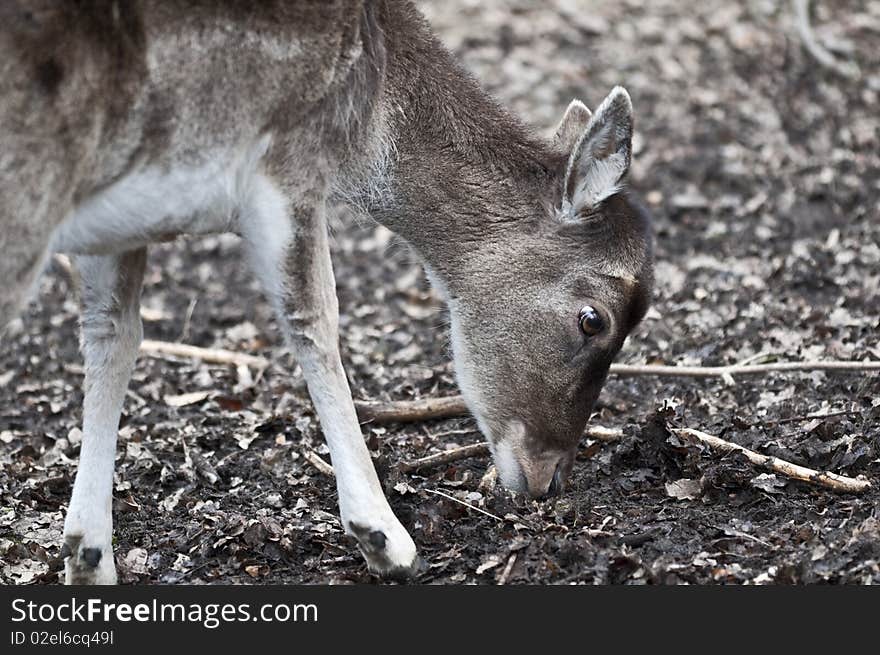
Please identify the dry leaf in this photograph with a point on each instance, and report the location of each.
(684, 489)
(185, 399)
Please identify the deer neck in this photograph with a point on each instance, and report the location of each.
(458, 168)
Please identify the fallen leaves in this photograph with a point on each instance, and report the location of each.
(684, 489)
(185, 399)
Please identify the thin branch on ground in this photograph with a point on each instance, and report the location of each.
(164, 349)
(627, 370)
(826, 479)
(427, 409)
(481, 449)
(445, 457)
(505, 574)
(451, 433)
(822, 478)
(318, 462)
(461, 502)
(819, 52)
(410, 411)
(600, 433)
(812, 417)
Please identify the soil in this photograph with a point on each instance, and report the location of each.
(761, 169)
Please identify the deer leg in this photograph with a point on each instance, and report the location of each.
(288, 246)
(111, 334)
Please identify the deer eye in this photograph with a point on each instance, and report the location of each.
(590, 321)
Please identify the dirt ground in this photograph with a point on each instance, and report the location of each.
(761, 169)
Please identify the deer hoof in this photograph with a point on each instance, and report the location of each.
(390, 553)
(87, 565)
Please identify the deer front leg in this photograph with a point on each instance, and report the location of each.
(111, 334)
(289, 248)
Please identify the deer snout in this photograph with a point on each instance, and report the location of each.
(538, 485)
(557, 483)
(539, 475)
(545, 480)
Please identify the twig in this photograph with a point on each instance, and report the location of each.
(600, 433)
(626, 370)
(743, 535)
(819, 52)
(187, 319)
(823, 478)
(450, 433)
(812, 417)
(315, 460)
(468, 505)
(505, 574)
(445, 457)
(411, 410)
(481, 449)
(209, 355)
(426, 409)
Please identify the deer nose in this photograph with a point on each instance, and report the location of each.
(556, 483)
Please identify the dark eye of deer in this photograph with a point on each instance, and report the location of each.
(590, 322)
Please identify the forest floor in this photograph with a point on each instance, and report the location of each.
(762, 170)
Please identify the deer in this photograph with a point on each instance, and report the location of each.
(127, 123)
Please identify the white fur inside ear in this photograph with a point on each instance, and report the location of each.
(600, 180)
(601, 156)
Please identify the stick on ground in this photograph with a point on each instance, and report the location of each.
(437, 492)
(597, 432)
(826, 479)
(318, 462)
(426, 409)
(822, 478)
(410, 411)
(209, 355)
(627, 370)
(445, 457)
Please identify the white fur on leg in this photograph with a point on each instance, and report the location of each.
(111, 333)
(312, 332)
(363, 507)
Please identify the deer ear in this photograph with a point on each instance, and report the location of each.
(600, 157)
(572, 125)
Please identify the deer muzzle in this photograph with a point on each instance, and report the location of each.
(525, 468)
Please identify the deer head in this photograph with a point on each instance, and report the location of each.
(542, 306)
